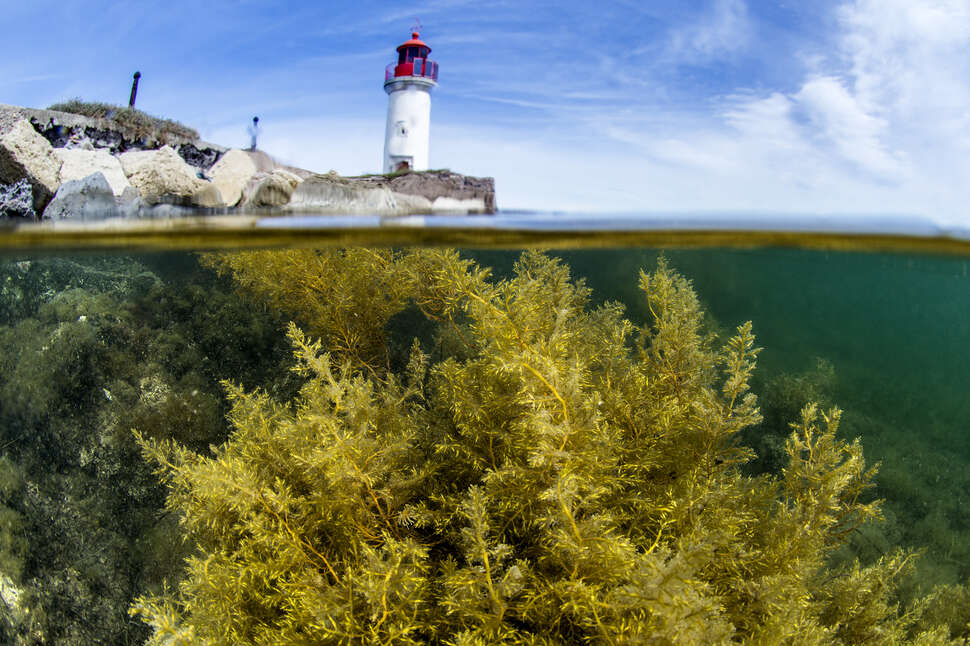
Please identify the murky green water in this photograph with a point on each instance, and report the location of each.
(95, 344)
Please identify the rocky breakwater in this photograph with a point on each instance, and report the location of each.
(57, 165)
(410, 193)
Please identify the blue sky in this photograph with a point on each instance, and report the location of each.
(828, 106)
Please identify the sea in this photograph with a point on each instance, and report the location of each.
(110, 326)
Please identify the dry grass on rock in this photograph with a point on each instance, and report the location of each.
(137, 123)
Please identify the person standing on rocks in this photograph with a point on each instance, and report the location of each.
(254, 131)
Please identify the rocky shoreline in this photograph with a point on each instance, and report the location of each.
(57, 165)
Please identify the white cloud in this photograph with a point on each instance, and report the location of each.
(840, 122)
(907, 63)
(908, 55)
(908, 60)
(767, 120)
(883, 125)
(724, 29)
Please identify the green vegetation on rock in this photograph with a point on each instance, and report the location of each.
(137, 123)
(539, 472)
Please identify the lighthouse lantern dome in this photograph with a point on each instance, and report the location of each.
(412, 61)
(414, 48)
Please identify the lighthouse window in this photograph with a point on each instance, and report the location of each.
(401, 128)
(407, 54)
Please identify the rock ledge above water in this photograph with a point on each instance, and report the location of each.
(46, 148)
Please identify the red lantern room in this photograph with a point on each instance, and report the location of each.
(412, 61)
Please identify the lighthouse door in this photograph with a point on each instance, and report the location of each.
(401, 163)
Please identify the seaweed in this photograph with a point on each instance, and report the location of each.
(550, 474)
(92, 347)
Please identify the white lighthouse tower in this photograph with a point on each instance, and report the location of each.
(408, 83)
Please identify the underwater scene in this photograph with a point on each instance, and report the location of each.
(427, 445)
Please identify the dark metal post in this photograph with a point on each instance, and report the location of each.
(134, 90)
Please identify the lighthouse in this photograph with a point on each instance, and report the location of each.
(408, 82)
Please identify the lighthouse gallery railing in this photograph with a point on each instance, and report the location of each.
(422, 67)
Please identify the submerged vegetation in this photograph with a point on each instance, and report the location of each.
(89, 348)
(439, 454)
(532, 470)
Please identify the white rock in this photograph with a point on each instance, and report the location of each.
(458, 206)
(264, 163)
(231, 174)
(160, 173)
(409, 204)
(77, 163)
(292, 178)
(88, 198)
(268, 190)
(24, 154)
(130, 194)
(323, 194)
(208, 197)
(132, 162)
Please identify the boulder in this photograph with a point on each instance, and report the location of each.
(141, 210)
(90, 198)
(24, 154)
(137, 160)
(77, 163)
(161, 175)
(268, 190)
(301, 173)
(333, 194)
(208, 197)
(264, 163)
(232, 173)
(294, 179)
(17, 201)
(129, 195)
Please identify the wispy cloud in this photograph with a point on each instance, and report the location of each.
(427, 8)
(721, 30)
(840, 122)
(29, 78)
